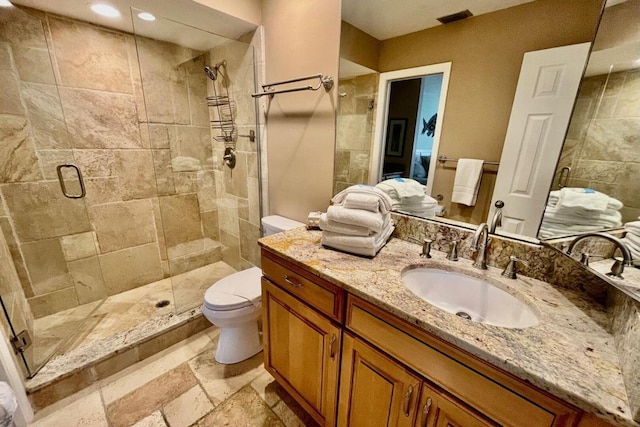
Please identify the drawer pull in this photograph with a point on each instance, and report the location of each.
(293, 282)
(332, 346)
(425, 412)
(407, 401)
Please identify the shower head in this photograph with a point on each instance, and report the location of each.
(212, 73)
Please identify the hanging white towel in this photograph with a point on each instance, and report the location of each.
(467, 181)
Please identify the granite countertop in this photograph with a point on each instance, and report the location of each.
(631, 282)
(570, 353)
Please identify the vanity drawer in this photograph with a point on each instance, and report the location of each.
(319, 294)
(496, 394)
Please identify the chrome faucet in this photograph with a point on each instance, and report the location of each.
(496, 221)
(481, 249)
(618, 266)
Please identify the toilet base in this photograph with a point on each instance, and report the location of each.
(236, 344)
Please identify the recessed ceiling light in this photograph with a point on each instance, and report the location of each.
(5, 3)
(105, 10)
(146, 16)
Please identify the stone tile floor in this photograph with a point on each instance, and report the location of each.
(181, 386)
(83, 325)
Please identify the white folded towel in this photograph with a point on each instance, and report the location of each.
(402, 189)
(467, 181)
(361, 248)
(372, 220)
(557, 215)
(384, 202)
(367, 202)
(329, 238)
(339, 227)
(633, 227)
(584, 198)
(633, 239)
(633, 248)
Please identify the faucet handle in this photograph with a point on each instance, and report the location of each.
(426, 248)
(510, 270)
(453, 251)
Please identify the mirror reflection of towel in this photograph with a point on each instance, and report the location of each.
(467, 181)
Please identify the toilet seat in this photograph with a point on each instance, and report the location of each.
(235, 291)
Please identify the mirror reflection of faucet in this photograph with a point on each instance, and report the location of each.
(618, 266)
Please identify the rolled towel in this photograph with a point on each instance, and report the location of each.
(467, 181)
(384, 202)
(339, 227)
(367, 202)
(380, 240)
(372, 220)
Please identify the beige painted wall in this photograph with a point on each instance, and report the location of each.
(486, 53)
(301, 38)
(358, 46)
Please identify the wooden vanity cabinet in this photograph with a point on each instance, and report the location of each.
(374, 389)
(390, 372)
(301, 342)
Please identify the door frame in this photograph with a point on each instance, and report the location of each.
(382, 116)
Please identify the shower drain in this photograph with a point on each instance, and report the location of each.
(162, 303)
(463, 315)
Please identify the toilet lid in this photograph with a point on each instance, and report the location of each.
(235, 291)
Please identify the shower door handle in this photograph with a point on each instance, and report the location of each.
(63, 187)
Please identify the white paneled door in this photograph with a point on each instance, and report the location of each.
(547, 88)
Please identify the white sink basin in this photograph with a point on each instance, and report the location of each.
(469, 297)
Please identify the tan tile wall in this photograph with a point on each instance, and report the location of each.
(131, 112)
(354, 134)
(601, 145)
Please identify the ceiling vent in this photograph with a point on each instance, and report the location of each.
(455, 17)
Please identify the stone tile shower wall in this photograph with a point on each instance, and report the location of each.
(601, 144)
(73, 92)
(238, 209)
(355, 124)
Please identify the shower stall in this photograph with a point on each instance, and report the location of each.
(118, 205)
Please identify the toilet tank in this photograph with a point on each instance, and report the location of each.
(275, 223)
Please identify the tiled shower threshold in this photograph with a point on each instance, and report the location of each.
(95, 354)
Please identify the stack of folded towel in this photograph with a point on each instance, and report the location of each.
(574, 210)
(358, 221)
(632, 239)
(409, 196)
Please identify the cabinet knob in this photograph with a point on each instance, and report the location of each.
(407, 400)
(425, 412)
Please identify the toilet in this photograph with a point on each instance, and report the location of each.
(233, 304)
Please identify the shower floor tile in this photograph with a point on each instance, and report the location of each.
(181, 386)
(122, 312)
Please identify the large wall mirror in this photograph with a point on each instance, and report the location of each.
(600, 162)
(486, 53)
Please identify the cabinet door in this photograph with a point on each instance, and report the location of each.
(375, 390)
(436, 409)
(302, 351)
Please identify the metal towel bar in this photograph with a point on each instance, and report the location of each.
(443, 159)
(327, 82)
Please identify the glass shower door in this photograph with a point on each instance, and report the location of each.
(50, 266)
